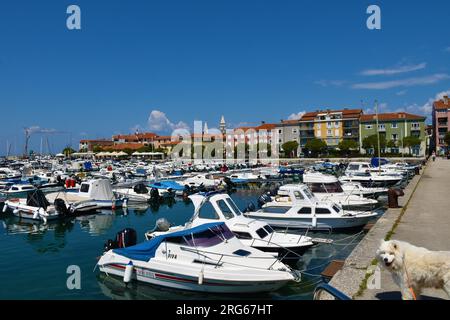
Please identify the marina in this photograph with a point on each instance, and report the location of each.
(77, 237)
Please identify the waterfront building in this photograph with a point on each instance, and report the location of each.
(89, 145)
(288, 130)
(332, 126)
(440, 118)
(395, 127)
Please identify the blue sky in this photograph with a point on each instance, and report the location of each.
(249, 60)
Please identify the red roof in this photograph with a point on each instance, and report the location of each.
(346, 114)
(391, 117)
(441, 104)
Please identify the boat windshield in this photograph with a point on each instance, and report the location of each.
(234, 207)
(308, 194)
(333, 187)
(226, 210)
(211, 237)
(275, 209)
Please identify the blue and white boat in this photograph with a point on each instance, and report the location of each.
(206, 258)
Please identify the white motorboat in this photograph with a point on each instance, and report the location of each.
(202, 180)
(140, 193)
(35, 207)
(246, 177)
(18, 190)
(215, 207)
(95, 193)
(307, 212)
(358, 189)
(327, 187)
(370, 176)
(206, 258)
(7, 173)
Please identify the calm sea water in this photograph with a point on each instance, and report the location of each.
(34, 257)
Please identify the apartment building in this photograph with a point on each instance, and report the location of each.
(440, 118)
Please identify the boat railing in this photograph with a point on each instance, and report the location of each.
(338, 295)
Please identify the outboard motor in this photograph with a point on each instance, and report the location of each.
(162, 225)
(126, 238)
(228, 182)
(263, 199)
(274, 190)
(250, 207)
(60, 206)
(154, 194)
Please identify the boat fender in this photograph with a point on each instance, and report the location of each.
(128, 272)
(125, 203)
(5, 208)
(200, 277)
(16, 211)
(314, 222)
(36, 215)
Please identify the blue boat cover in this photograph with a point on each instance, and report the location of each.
(87, 165)
(146, 250)
(376, 162)
(167, 185)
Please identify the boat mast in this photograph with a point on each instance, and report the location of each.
(378, 137)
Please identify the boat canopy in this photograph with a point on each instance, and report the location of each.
(376, 162)
(146, 250)
(167, 185)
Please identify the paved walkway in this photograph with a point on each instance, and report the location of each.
(426, 223)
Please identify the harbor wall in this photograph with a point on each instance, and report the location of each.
(358, 266)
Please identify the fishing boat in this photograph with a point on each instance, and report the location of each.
(327, 187)
(307, 211)
(206, 258)
(215, 206)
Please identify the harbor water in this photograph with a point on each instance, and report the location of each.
(36, 256)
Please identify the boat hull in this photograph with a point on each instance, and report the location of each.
(183, 282)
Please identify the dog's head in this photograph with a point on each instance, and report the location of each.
(390, 255)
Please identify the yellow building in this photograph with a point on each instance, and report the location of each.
(332, 126)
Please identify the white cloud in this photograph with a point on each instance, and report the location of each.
(410, 82)
(327, 83)
(428, 106)
(158, 121)
(37, 129)
(394, 70)
(402, 93)
(296, 116)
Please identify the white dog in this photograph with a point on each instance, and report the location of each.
(414, 268)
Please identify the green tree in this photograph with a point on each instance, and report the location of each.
(371, 142)
(97, 149)
(145, 149)
(391, 144)
(68, 151)
(290, 148)
(346, 145)
(316, 146)
(447, 139)
(411, 142)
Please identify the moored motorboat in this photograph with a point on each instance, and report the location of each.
(206, 258)
(216, 206)
(307, 212)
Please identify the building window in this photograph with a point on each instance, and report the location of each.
(336, 124)
(280, 131)
(369, 126)
(395, 136)
(415, 126)
(294, 131)
(329, 133)
(394, 125)
(381, 127)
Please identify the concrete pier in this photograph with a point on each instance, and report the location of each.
(423, 220)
